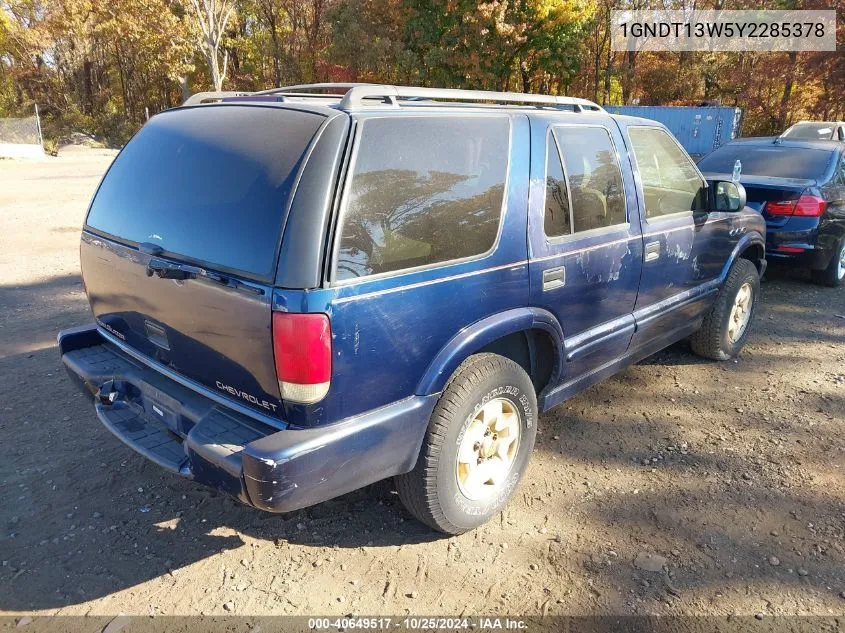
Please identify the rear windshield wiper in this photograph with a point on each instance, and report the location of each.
(169, 270)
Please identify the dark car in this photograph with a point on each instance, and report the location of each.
(799, 187)
(297, 295)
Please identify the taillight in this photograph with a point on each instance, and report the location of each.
(806, 206)
(810, 206)
(780, 208)
(302, 344)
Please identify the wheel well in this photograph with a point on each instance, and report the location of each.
(754, 254)
(533, 350)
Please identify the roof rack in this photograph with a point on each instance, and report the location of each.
(352, 100)
(214, 95)
(356, 93)
(318, 86)
(217, 95)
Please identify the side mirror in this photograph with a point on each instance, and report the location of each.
(726, 195)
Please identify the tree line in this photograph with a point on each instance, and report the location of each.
(102, 66)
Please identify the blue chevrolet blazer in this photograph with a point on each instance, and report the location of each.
(302, 291)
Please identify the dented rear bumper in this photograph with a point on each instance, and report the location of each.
(187, 432)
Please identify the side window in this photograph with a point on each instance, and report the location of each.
(595, 182)
(671, 183)
(556, 221)
(424, 190)
(842, 170)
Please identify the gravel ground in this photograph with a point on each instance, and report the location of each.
(680, 486)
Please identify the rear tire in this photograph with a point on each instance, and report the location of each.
(477, 446)
(834, 274)
(726, 326)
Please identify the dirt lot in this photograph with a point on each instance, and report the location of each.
(731, 472)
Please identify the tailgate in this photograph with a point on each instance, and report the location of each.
(213, 332)
(200, 192)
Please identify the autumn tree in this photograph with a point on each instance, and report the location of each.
(367, 41)
(99, 66)
(93, 66)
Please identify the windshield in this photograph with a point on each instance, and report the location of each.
(769, 160)
(810, 131)
(209, 183)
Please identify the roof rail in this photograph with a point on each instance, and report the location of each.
(202, 97)
(356, 93)
(318, 86)
(354, 97)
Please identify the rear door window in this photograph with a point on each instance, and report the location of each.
(424, 190)
(592, 172)
(209, 184)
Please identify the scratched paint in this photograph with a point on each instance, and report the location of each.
(679, 245)
(600, 266)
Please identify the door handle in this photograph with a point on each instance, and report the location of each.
(554, 278)
(652, 251)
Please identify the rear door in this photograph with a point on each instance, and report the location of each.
(586, 248)
(180, 245)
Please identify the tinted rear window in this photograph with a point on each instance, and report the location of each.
(769, 160)
(207, 183)
(424, 190)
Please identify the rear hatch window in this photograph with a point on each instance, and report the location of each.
(208, 184)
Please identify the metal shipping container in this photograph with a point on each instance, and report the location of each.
(699, 129)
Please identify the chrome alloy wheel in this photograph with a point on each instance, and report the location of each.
(740, 313)
(488, 449)
(840, 269)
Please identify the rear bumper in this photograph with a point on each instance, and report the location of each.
(800, 242)
(195, 437)
(810, 255)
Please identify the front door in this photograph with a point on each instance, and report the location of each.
(585, 243)
(685, 246)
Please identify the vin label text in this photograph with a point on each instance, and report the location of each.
(756, 30)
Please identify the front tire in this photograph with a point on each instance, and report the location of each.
(834, 275)
(477, 446)
(726, 326)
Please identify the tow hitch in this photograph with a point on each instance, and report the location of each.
(110, 392)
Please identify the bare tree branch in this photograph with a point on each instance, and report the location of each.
(212, 19)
